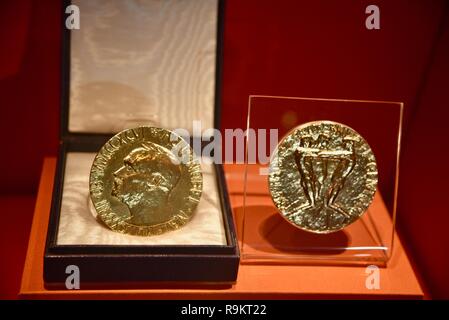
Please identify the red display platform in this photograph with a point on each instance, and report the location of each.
(254, 281)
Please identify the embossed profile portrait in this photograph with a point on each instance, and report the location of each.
(145, 183)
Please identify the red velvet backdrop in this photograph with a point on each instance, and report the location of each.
(288, 47)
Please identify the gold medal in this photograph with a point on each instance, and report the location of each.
(139, 185)
(323, 176)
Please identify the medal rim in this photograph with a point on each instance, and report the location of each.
(127, 229)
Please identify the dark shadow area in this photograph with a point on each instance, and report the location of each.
(286, 237)
(275, 232)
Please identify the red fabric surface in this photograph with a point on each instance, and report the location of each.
(16, 214)
(322, 49)
(424, 216)
(29, 120)
(290, 48)
(13, 35)
(29, 98)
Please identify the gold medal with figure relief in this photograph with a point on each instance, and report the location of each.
(322, 176)
(145, 181)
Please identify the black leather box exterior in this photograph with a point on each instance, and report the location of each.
(141, 265)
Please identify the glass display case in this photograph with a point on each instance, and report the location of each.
(331, 198)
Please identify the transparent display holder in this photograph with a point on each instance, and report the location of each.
(266, 237)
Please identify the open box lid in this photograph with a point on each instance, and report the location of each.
(132, 63)
(155, 63)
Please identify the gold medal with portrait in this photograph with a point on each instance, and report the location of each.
(145, 181)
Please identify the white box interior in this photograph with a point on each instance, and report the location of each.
(78, 224)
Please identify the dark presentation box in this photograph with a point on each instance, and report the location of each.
(154, 63)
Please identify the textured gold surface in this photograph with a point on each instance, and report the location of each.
(137, 185)
(323, 176)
